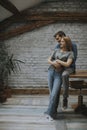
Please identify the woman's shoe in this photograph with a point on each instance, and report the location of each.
(53, 116)
(49, 118)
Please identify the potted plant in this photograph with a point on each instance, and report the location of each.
(7, 64)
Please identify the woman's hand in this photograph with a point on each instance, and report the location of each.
(54, 63)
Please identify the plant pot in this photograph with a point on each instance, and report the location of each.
(3, 97)
(8, 92)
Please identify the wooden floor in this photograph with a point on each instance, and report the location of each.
(26, 112)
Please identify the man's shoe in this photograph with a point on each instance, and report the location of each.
(65, 103)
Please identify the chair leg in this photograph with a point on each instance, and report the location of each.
(80, 99)
(81, 107)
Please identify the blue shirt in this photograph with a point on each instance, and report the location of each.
(74, 49)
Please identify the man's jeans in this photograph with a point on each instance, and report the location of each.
(54, 84)
(65, 81)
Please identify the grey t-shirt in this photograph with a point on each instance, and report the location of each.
(64, 56)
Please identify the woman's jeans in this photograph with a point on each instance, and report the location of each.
(54, 84)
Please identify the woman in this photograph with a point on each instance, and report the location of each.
(61, 59)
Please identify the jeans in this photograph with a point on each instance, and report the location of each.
(54, 84)
(65, 81)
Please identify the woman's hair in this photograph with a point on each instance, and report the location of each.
(68, 43)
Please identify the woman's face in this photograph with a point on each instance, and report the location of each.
(63, 43)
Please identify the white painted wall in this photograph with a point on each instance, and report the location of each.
(20, 5)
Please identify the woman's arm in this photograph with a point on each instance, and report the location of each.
(49, 60)
(54, 63)
(65, 64)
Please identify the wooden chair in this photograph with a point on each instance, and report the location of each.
(79, 84)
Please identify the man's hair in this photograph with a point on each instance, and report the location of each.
(60, 33)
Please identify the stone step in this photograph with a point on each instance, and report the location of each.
(26, 112)
(44, 91)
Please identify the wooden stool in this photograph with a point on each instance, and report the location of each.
(79, 84)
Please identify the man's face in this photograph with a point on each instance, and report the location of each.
(58, 38)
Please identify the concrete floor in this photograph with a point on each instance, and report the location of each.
(26, 112)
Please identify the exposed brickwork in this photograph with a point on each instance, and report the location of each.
(63, 5)
(34, 48)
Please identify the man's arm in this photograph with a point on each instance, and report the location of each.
(65, 64)
(57, 46)
(74, 48)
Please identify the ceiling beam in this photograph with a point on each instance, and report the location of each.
(43, 16)
(36, 20)
(59, 16)
(9, 6)
(24, 28)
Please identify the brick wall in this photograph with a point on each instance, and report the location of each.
(35, 47)
(63, 5)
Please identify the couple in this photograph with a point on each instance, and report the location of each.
(62, 64)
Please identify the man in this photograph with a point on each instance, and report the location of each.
(65, 75)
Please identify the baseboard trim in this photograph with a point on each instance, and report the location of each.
(32, 91)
